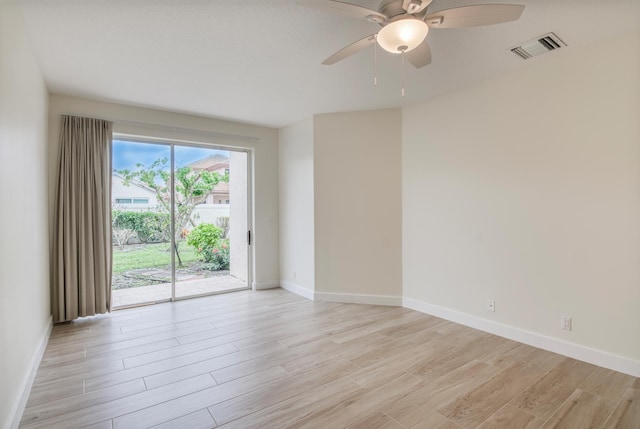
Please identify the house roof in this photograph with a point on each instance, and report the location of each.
(210, 163)
(133, 182)
(222, 187)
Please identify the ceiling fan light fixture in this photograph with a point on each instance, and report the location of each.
(402, 35)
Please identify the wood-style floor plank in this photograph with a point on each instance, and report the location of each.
(547, 394)
(437, 421)
(104, 380)
(124, 405)
(273, 359)
(581, 410)
(512, 352)
(41, 394)
(510, 417)
(67, 404)
(197, 420)
(107, 424)
(347, 413)
(423, 401)
(286, 413)
(627, 413)
(186, 404)
(377, 420)
(184, 372)
(279, 391)
(477, 405)
(608, 384)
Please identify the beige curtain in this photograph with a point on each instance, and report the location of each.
(81, 257)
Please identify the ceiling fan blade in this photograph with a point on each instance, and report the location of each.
(343, 8)
(476, 15)
(350, 50)
(420, 56)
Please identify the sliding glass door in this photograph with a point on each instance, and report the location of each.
(210, 200)
(180, 222)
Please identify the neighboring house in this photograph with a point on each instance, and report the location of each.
(220, 194)
(216, 164)
(132, 196)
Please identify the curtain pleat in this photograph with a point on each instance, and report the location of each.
(81, 257)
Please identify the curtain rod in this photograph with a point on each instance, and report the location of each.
(237, 137)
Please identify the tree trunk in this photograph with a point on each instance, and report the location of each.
(175, 246)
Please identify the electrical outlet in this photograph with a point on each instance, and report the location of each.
(491, 305)
(294, 274)
(565, 323)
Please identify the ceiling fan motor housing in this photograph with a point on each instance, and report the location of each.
(393, 8)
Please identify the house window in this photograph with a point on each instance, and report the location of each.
(132, 200)
(226, 201)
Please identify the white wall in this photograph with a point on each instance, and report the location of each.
(296, 208)
(358, 247)
(157, 123)
(24, 260)
(209, 213)
(526, 189)
(238, 210)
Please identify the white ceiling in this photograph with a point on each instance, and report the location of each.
(258, 61)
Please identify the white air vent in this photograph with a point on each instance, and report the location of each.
(539, 45)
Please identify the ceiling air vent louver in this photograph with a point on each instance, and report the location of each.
(539, 45)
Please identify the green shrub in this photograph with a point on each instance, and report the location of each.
(206, 238)
(149, 226)
(219, 258)
(123, 219)
(154, 227)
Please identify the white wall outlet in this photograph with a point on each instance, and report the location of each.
(565, 323)
(294, 274)
(491, 305)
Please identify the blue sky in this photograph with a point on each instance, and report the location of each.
(127, 154)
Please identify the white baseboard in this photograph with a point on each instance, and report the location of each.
(348, 298)
(18, 408)
(354, 298)
(576, 351)
(297, 289)
(265, 285)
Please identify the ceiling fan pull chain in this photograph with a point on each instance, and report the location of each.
(402, 69)
(375, 61)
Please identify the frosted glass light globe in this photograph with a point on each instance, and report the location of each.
(402, 35)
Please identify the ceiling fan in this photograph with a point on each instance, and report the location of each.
(405, 24)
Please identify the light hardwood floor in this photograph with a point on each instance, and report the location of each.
(271, 359)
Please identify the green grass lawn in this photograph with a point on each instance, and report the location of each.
(149, 256)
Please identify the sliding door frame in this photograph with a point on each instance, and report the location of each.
(249, 221)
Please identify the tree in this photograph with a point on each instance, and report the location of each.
(191, 188)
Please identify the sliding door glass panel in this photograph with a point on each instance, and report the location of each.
(204, 216)
(141, 227)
